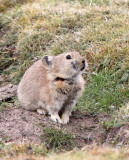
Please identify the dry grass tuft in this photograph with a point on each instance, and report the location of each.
(95, 153)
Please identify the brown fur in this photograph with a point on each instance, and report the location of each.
(53, 84)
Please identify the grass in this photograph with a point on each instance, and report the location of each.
(97, 29)
(97, 153)
(120, 117)
(56, 139)
(8, 150)
(103, 92)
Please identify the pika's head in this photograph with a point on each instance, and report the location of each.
(65, 65)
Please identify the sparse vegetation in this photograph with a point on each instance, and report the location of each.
(56, 139)
(14, 149)
(96, 154)
(88, 154)
(98, 29)
(120, 118)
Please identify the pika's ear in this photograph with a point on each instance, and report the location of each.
(47, 61)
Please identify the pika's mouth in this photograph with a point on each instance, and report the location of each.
(83, 67)
(76, 67)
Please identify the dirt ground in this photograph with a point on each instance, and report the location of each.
(19, 125)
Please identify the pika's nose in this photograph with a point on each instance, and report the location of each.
(83, 61)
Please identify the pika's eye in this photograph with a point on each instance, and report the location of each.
(68, 57)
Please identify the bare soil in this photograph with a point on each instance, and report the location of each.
(18, 125)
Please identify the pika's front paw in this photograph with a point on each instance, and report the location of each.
(65, 118)
(42, 111)
(56, 118)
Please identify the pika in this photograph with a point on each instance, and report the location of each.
(53, 84)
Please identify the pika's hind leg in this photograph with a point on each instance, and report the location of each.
(29, 106)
